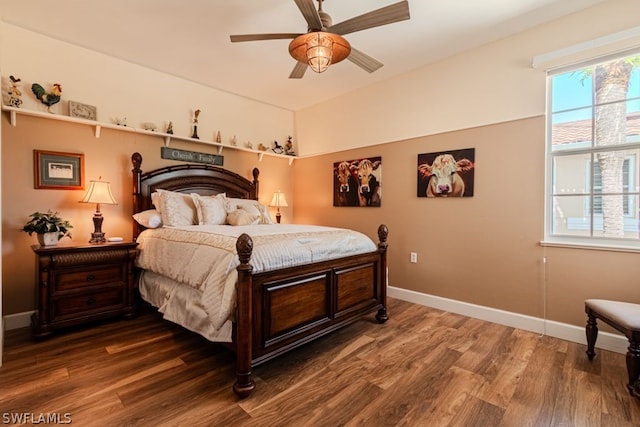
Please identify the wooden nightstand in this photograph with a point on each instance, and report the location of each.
(81, 283)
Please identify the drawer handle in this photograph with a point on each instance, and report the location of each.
(91, 301)
(91, 278)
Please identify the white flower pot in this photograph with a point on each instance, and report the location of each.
(48, 239)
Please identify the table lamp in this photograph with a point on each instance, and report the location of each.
(98, 192)
(277, 201)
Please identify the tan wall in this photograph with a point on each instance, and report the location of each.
(484, 249)
(107, 156)
(121, 89)
(490, 84)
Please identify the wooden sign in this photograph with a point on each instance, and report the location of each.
(191, 156)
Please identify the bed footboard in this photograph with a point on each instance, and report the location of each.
(279, 310)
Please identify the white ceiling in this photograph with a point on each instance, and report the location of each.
(190, 39)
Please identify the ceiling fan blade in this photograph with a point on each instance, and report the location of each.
(364, 61)
(386, 15)
(310, 13)
(255, 37)
(299, 70)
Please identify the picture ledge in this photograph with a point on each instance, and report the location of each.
(13, 119)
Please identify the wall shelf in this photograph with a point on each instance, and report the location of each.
(14, 112)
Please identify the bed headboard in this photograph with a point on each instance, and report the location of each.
(187, 178)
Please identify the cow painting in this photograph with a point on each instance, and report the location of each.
(345, 185)
(447, 174)
(358, 182)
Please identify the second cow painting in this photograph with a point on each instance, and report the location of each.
(446, 173)
(357, 182)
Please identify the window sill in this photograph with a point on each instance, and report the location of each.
(590, 246)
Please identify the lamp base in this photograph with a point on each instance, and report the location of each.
(278, 216)
(97, 236)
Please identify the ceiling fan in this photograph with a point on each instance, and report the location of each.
(323, 44)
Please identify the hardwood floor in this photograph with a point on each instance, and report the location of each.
(424, 367)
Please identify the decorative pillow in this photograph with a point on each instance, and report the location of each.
(252, 206)
(210, 209)
(149, 218)
(176, 209)
(242, 217)
(265, 217)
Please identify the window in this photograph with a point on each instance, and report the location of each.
(593, 151)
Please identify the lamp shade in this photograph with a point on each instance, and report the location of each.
(278, 200)
(319, 49)
(99, 192)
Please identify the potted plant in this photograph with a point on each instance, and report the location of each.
(48, 226)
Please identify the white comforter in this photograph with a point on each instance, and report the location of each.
(203, 258)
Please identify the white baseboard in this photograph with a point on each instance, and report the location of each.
(17, 321)
(606, 341)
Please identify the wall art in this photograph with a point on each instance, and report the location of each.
(58, 171)
(446, 173)
(358, 182)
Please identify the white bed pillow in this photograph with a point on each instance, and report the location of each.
(155, 200)
(150, 218)
(211, 210)
(176, 209)
(252, 206)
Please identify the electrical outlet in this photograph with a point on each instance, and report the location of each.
(414, 257)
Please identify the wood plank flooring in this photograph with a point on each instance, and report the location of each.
(424, 367)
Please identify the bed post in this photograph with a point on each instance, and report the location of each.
(256, 183)
(383, 232)
(136, 160)
(244, 384)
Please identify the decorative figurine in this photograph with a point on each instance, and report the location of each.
(249, 145)
(149, 126)
(195, 124)
(15, 93)
(288, 148)
(121, 121)
(234, 141)
(170, 128)
(277, 148)
(262, 147)
(218, 137)
(47, 98)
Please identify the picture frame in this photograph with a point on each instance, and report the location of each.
(55, 170)
(446, 174)
(358, 182)
(82, 111)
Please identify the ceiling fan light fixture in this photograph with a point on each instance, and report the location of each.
(319, 52)
(319, 49)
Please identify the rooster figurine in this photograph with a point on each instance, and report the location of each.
(46, 98)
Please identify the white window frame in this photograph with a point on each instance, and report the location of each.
(588, 242)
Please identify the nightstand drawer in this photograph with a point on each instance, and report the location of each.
(100, 275)
(79, 303)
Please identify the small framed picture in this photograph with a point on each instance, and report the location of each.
(55, 170)
(82, 111)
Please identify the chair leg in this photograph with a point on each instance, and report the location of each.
(592, 334)
(633, 365)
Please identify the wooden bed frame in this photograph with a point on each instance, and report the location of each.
(276, 310)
